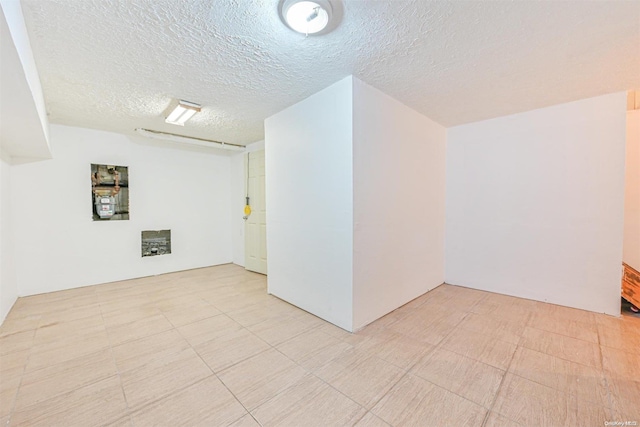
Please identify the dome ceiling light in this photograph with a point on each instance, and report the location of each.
(307, 16)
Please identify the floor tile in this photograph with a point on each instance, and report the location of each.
(584, 382)
(62, 300)
(53, 332)
(430, 327)
(232, 302)
(8, 391)
(116, 288)
(620, 363)
(569, 327)
(16, 341)
(313, 349)
(246, 421)
(115, 300)
(627, 321)
(120, 422)
(163, 297)
(401, 312)
(533, 404)
(625, 398)
(85, 356)
(256, 380)
(370, 420)
(360, 376)
(280, 306)
(462, 299)
(231, 348)
(92, 405)
(502, 329)
(138, 329)
(208, 329)
(205, 403)
(341, 334)
(161, 377)
(378, 326)
(560, 314)
(310, 402)
(123, 314)
(254, 314)
(134, 354)
(13, 324)
(483, 348)
(416, 402)
(70, 316)
(505, 307)
(465, 377)
(180, 299)
(307, 318)
(428, 296)
(62, 378)
(395, 348)
(278, 330)
(620, 335)
(561, 346)
(184, 315)
(68, 295)
(68, 347)
(13, 364)
(496, 420)
(70, 304)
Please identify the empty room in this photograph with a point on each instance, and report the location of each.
(319, 213)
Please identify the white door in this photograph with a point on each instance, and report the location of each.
(255, 229)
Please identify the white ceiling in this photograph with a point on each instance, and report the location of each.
(119, 64)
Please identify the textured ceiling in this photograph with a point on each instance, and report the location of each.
(119, 65)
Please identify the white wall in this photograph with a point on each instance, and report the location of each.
(535, 204)
(238, 194)
(23, 121)
(399, 203)
(12, 11)
(309, 203)
(59, 246)
(631, 251)
(8, 285)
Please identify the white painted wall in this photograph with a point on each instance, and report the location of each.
(23, 121)
(12, 11)
(8, 285)
(399, 203)
(309, 168)
(535, 204)
(238, 194)
(631, 251)
(59, 246)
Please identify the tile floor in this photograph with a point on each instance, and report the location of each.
(209, 347)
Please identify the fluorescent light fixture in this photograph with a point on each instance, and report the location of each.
(306, 17)
(183, 112)
(189, 140)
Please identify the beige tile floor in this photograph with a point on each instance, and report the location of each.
(209, 347)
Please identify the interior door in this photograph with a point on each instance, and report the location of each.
(255, 232)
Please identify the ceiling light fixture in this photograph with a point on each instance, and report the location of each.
(188, 140)
(183, 112)
(306, 17)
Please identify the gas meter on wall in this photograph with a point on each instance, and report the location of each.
(105, 206)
